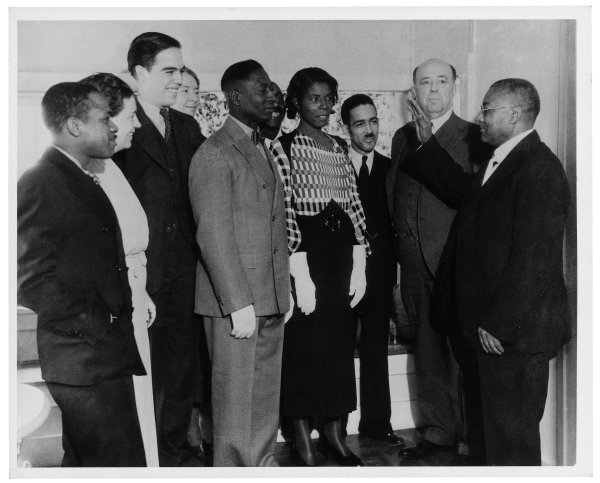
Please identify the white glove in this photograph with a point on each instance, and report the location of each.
(244, 322)
(305, 288)
(358, 279)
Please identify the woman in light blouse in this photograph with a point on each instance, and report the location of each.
(325, 224)
(134, 230)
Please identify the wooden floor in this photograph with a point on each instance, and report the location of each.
(375, 453)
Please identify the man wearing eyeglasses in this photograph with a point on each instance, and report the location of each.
(504, 265)
(422, 220)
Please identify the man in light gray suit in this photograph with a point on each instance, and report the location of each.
(242, 278)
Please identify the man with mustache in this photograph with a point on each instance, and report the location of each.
(243, 278)
(361, 123)
(157, 166)
(503, 266)
(72, 272)
(422, 219)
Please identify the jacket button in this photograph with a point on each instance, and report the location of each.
(274, 217)
(104, 229)
(118, 268)
(264, 186)
(275, 251)
(168, 229)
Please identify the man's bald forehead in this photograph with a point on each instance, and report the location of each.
(451, 70)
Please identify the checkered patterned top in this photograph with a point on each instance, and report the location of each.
(311, 179)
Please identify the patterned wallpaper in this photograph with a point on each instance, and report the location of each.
(212, 113)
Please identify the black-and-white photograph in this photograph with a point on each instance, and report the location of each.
(300, 238)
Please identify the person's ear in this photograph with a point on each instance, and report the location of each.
(74, 126)
(140, 73)
(346, 130)
(234, 97)
(516, 113)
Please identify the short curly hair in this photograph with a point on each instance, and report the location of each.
(302, 81)
(115, 90)
(522, 93)
(65, 100)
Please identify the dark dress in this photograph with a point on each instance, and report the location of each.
(318, 350)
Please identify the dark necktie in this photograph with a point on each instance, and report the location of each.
(363, 174)
(164, 112)
(257, 138)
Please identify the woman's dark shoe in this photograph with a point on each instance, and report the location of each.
(328, 450)
(297, 458)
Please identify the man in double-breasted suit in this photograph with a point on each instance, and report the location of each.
(359, 116)
(157, 166)
(242, 283)
(501, 277)
(422, 217)
(72, 273)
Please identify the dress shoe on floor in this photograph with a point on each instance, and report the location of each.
(389, 439)
(467, 460)
(329, 451)
(297, 458)
(208, 453)
(421, 450)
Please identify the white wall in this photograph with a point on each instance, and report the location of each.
(369, 56)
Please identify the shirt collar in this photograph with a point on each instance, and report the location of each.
(151, 111)
(440, 121)
(75, 160)
(247, 129)
(504, 149)
(356, 159)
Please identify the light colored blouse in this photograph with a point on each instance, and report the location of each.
(312, 178)
(130, 214)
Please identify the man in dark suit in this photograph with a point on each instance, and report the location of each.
(157, 167)
(422, 218)
(72, 273)
(359, 116)
(242, 284)
(502, 276)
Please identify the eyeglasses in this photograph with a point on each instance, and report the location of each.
(484, 109)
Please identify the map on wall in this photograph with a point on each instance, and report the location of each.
(212, 113)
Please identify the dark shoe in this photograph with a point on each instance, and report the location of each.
(297, 458)
(207, 450)
(389, 439)
(329, 451)
(467, 460)
(421, 450)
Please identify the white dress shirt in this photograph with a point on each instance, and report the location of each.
(356, 159)
(436, 124)
(501, 152)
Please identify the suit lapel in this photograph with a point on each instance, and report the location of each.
(183, 145)
(150, 138)
(449, 134)
(509, 165)
(83, 187)
(247, 148)
(376, 173)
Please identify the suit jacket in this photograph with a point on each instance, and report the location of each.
(381, 264)
(505, 258)
(145, 167)
(238, 205)
(72, 272)
(461, 139)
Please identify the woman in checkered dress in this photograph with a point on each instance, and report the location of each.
(325, 226)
